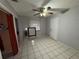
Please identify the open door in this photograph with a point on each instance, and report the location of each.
(8, 41)
(1, 43)
(11, 29)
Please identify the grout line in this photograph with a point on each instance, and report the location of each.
(73, 55)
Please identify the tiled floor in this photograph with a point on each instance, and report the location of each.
(46, 48)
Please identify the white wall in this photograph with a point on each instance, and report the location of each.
(42, 22)
(65, 27)
(53, 23)
(24, 21)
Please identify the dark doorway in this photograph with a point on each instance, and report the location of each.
(1, 45)
(17, 28)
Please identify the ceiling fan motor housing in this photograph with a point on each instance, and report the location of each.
(41, 10)
(48, 8)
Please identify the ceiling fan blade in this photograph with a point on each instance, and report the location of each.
(45, 2)
(50, 13)
(34, 9)
(39, 9)
(36, 14)
(62, 10)
(15, 0)
(58, 9)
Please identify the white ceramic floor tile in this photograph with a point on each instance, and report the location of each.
(46, 57)
(60, 57)
(46, 48)
(74, 57)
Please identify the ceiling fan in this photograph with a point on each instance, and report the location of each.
(42, 11)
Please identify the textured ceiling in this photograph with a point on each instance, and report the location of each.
(63, 3)
(24, 7)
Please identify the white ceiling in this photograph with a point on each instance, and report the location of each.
(24, 7)
(63, 3)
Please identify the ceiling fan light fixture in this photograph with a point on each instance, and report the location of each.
(43, 14)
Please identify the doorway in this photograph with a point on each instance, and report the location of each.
(1, 45)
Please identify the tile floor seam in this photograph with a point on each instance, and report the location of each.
(73, 55)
